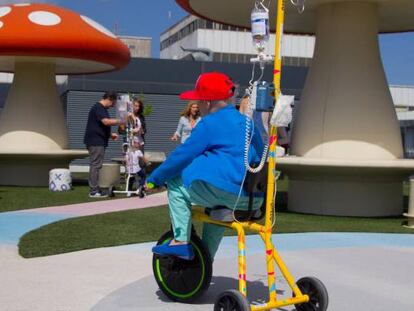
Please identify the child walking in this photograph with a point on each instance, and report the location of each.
(135, 163)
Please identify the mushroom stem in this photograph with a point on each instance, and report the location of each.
(33, 118)
(346, 113)
(346, 110)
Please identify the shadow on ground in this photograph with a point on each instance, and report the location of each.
(145, 295)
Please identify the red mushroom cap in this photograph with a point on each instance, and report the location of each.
(75, 43)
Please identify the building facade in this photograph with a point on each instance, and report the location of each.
(138, 46)
(158, 82)
(403, 97)
(228, 43)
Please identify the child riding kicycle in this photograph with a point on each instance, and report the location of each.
(208, 169)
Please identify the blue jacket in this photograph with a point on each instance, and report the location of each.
(214, 153)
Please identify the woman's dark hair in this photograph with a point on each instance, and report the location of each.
(141, 105)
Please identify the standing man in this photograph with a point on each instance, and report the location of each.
(97, 134)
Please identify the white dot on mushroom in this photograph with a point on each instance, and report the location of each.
(4, 10)
(44, 18)
(97, 26)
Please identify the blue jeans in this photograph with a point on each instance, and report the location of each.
(142, 178)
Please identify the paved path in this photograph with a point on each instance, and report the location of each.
(14, 224)
(101, 207)
(363, 272)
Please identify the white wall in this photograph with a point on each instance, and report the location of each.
(236, 42)
(403, 96)
(175, 28)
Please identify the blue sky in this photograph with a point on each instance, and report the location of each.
(149, 18)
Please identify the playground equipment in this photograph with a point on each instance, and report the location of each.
(184, 280)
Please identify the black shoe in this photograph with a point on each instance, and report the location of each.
(141, 192)
(97, 195)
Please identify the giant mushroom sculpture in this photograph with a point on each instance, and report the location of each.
(346, 136)
(38, 41)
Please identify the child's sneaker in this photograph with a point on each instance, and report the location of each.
(97, 195)
(183, 251)
(142, 193)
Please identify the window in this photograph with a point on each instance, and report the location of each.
(233, 58)
(218, 57)
(201, 23)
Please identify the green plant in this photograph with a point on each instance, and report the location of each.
(147, 110)
(147, 106)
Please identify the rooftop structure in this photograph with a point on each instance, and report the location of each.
(228, 43)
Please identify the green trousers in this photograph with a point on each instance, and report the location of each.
(203, 194)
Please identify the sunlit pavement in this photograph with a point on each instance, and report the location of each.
(361, 272)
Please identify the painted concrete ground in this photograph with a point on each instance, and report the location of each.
(362, 272)
(14, 224)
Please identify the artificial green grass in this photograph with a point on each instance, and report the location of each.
(137, 226)
(13, 198)
(109, 229)
(19, 198)
(145, 225)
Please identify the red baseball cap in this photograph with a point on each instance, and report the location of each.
(210, 86)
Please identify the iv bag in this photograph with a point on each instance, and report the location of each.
(122, 107)
(260, 27)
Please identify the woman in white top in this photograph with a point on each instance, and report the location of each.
(189, 119)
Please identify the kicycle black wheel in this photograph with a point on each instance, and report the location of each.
(318, 295)
(231, 300)
(183, 280)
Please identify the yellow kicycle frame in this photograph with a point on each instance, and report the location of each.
(265, 231)
(182, 280)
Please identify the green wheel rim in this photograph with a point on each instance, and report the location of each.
(160, 278)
